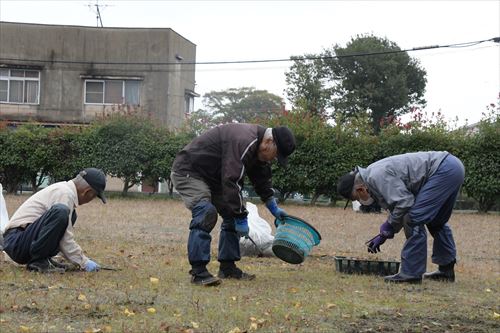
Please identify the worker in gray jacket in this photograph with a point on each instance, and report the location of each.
(209, 173)
(419, 189)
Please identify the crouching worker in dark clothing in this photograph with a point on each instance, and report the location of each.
(419, 190)
(43, 225)
(209, 173)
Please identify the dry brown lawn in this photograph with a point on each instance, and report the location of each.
(146, 238)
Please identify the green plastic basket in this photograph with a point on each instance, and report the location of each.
(294, 239)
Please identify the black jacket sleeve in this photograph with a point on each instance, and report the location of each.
(233, 172)
(260, 177)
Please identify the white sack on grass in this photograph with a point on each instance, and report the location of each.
(261, 233)
(356, 206)
(4, 216)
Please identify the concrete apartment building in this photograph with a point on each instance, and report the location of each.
(72, 74)
(57, 74)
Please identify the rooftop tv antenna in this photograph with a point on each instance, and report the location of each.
(96, 9)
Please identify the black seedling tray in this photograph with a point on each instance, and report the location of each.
(364, 266)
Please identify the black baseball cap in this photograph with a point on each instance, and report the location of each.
(345, 185)
(96, 179)
(285, 142)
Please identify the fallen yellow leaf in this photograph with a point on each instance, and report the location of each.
(235, 330)
(151, 310)
(254, 326)
(154, 281)
(253, 319)
(23, 328)
(128, 313)
(297, 305)
(87, 306)
(292, 290)
(82, 298)
(93, 330)
(195, 324)
(331, 305)
(496, 315)
(233, 298)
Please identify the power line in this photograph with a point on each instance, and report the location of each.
(294, 58)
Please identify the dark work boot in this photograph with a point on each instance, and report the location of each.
(204, 278)
(444, 273)
(58, 264)
(44, 266)
(228, 270)
(399, 278)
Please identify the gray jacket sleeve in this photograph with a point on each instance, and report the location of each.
(397, 196)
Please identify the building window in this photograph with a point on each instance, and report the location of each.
(19, 86)
(189, 96)
(189, 103)
(112, 92)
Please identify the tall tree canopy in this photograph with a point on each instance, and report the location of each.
(235, 105)
(370, 74)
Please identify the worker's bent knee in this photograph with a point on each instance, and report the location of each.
(204, 216)
(418, 217)
(59, 211)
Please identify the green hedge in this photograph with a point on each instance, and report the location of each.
(135, 149)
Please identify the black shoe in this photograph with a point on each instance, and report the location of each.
(58, 264)
(234, 272)
(397, 278)
(44, 266)
(205, 279)
(445, 273)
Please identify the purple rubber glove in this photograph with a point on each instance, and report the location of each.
(374, 245)
(241, 226)
(386, 230)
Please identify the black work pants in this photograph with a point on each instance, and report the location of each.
(40, 239)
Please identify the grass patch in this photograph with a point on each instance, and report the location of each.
(147, 238)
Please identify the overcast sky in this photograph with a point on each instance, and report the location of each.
(461, 81)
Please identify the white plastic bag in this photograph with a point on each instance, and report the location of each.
(261, 233)
(4, 216)
(356, 206)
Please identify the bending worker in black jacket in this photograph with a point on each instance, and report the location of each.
(209, 173)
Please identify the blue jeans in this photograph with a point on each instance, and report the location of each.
(205, 206)
(432, 209)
